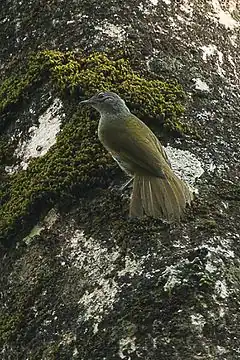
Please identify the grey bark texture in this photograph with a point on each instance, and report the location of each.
(79, 281)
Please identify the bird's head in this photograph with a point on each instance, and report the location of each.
(106, 102)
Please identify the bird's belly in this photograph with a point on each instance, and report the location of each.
(125, 166)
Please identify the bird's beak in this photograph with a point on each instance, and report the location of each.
(84, 102)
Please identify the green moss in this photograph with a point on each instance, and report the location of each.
(150, 99)
(236, 14)
(16, 86)
(209, 224)
(51, 351)
(8, 326)
(6, 159)
(77, 161)
(6, 153)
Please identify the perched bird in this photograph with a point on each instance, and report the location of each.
(157, 191)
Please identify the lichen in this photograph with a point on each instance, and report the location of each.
(77, 161)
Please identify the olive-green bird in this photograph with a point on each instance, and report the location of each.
(157, 191)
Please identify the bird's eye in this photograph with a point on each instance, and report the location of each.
(101, 95)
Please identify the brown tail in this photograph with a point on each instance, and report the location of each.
(164, 198)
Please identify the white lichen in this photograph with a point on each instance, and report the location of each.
(187, 7)
(168, 2)
(88, 254)
(221, 350)
(230, 59)
(132, 267)
(185, 164)
(221, 289)
(201, 85)
(224, 17)
(154, 2)
(172, 274)
(99, 302)
(210, 267)
(211, 50)
(128, 346)
(113, 31)
(75, 352)
(98, 262)
(198, 322)
(208, 50)
(41, 136)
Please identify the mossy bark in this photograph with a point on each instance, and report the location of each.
(90, 283)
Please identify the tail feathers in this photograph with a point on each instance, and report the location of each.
(164, 198)
(136, 207)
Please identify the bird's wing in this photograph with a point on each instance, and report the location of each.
(135, 144)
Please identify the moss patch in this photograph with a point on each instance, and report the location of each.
(69, 72)
(77, 161)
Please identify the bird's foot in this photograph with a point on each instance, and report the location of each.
(126, 184)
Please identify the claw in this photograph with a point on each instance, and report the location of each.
(123, 187)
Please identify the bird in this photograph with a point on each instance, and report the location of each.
(157, 191)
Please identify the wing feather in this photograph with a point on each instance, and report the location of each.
(135, 144)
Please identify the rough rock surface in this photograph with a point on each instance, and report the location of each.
(79, 280)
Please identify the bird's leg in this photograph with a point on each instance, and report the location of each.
(123, 187)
